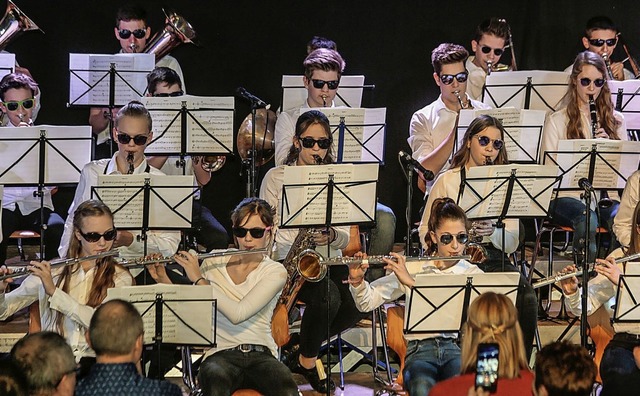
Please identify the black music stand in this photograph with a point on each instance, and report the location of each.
(626, 96)
(530, 89)
(627, 309)
(365, 139)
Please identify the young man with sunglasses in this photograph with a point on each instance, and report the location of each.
(488, 45)
(433, 128)
(20, 205)
(132, 32)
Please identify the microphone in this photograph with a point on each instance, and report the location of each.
(254, 100)
(406, 157)
(585, 184)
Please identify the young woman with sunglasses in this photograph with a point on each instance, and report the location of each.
(313, 145)
(68, 295)
(437, 357)
(573, 121)
(483, 143)
(247, 288)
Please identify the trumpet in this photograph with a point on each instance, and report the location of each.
(324, 100)
(142, 262)
(463, 105)
(607, 62)
(21, 273)
(210, 163)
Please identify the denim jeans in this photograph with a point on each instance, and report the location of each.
(429, 361)
(226, 371)
(616, 361)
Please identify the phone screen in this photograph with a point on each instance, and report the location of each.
(487, 367)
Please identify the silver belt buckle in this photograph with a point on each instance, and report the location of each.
(245, 348)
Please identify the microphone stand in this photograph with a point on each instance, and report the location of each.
(411, 168)
(252, 172)
(585, 269)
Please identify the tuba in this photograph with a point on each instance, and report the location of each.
(265, 126)
(177, 30)
(14, 23)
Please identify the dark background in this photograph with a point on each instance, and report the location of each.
(252, 44)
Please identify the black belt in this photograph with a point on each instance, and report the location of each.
(246, 348)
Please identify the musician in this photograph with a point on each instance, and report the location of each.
(433, 128)
(312, 145)
(435, 357)
(488, 45)
(163, 81)
(622, 223)
(601, 37)
(247, 288)
(484, 140)
(68, 295)
(132, 32)
(20, 206)
(573, 121)
(132, 131)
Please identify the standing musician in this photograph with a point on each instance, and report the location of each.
(433, 128)
(247, 288)
(436, 357)
(312, 145)
(622, 223)
(484, 142)
(574, 121)
(68, 295)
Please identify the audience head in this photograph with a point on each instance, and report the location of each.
(600, 35)
(252, 222)
(564, 369)
(483, 139)
(164, 81)
(322, 71)
(17, 92)
(132, 131)
(447, 229)
(321, 42)
(312, 141)
(48, 363)
(116, 331)
(13, 381)
(131, 28)
(489, 42)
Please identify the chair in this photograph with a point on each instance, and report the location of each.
(19, 235)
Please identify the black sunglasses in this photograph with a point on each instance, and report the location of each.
(126, 33)
(485, 140)
(13, 105)
(598, 82)
(309, 142)
(168, 95)
(496, 51)
(95, 237)
(600, 42)
(319, 84)
(448, 78)
(139, 140)
(462, 238)
(257, 233)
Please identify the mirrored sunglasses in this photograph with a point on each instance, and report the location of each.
(600, 42)
(309, 142)
(319, 84)
(95, 237)
(168, 95)
(446, 239)
(485, 140)
(138, 140)
(496, 51)
(126, 33)
(257, 232)
(13, 105)
(598, 82)
(448, 78)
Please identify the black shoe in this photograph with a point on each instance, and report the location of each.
(289, 352)
(312, 376)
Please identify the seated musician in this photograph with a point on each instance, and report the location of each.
(623, 221)
(247, 288)
(68, 295)
(484, 142)
(20, 206)
(437, 357)
(618, 358)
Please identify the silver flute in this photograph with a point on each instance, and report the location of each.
(141, 262)
(562, 276)
(21, 273)
(379, 260)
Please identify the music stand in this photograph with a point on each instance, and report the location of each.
(627, 309)
(7, 64)
(529, 89)
(180, 315)
(43, 156)
(625, 94)
(349, 92)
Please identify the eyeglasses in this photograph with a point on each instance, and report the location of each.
(485, 140)
(257, 233)
(319, 84)
(139, 140)
(447, 79)
(168, 95)
(309, 142)
(598, 82)
(95, 237)
(126, 33)
(13, 105)
(600, 42)
(462, 238)
(496, 51)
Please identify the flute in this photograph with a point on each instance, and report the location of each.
(379, 259)
(141, 262)
(21, 273)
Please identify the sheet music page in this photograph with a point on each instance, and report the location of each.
(14, 143)
(629, 100)
(298, 192)
(165, 117)
(167, 198)
(507, 89)
(294, 94)
(7, 63)
(116, 191)
(197, 314)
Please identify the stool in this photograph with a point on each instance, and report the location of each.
(19, 235)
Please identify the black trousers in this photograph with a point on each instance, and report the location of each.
(15, 220)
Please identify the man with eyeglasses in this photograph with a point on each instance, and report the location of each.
(433, 128)
(488, 46)
(20, 205)
(132, 31)
(601, 37)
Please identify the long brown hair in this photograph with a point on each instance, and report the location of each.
(305, 120)
(482, 122)
(443, 209)
(604, 105)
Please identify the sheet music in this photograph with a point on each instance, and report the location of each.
(165, 113)
(96, 66)
(349, 92)
(361, 143)
(162, 214)
(506, 89)
(197, 314)
(7, 63)
(480, 200)
(629, 100)
(297, 193)
(67, 150)
(604, 176)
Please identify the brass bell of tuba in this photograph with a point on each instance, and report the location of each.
(265, 126)
(177, 30)
(13, 24)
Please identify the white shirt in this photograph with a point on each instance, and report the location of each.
(165, 242)
(477, 79)
(623, 222)
(71, 305)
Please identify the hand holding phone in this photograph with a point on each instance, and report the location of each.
(487, 366)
